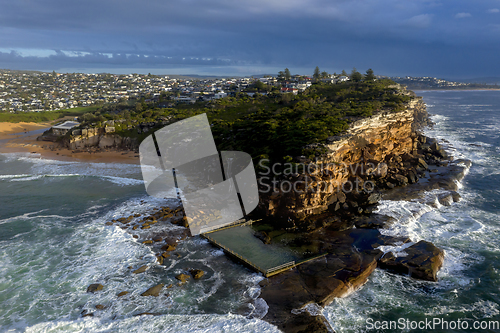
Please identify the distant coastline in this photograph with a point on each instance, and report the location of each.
(22, 138)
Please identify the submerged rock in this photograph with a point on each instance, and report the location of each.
(141, 269)
(423, 261)
(123, 293)
(197, 273)
(153, 291)
(94, 287)
(183, 277)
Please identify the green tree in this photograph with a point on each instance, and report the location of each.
(324, 75)
(355, 75)
(344, 73)
(288, 76)
(317, 74)
(259, 85)
(369, 75)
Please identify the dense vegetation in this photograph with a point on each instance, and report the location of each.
(276, 126)
(45, 116)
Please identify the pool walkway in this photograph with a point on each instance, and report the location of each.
(238, 241)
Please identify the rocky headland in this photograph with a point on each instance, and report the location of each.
(385, 157)
(333, 211)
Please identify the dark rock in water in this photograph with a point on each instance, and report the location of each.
(99, 306)
(88, 315)
(153, 291)
(435, 146)
(168, 247)
(390, 185)
(160, 259)
(157, 239)
(456, 197)
(183, 277)
(373, 221)
(263, 236)
(441, 153)
(123, 293)
(141, 269)
(94, 287)
(412, 177)
(197, 273)
(445, 199)
(423, 261)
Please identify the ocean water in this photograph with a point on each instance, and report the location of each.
(469, 231)
(54, 243)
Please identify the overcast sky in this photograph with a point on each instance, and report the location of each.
(449, 38)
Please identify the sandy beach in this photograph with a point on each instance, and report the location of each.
(22, 138)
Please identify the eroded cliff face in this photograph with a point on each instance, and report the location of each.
(372, 153)
(97, 137)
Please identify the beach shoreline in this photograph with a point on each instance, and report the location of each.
(22, 138)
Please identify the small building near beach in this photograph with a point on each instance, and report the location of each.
(63, 128)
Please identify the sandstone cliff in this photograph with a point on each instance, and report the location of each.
(370, 153)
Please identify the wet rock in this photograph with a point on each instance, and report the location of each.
(147, 242)
(109, 223)
(412, 177)
(423, 261)
(373, 221)
(445, 199)
(99, 306)
(456, 197)
(88, 315)
(94, 287)
(422, 164)
(141, 269)
(400, 180)
(168, 247)
(160, 260)
(153, 291)
(157, 239)
(197, 273)
(135, 236)
(183, 277)
(123, 293)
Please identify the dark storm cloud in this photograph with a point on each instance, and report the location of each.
(392, 36)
